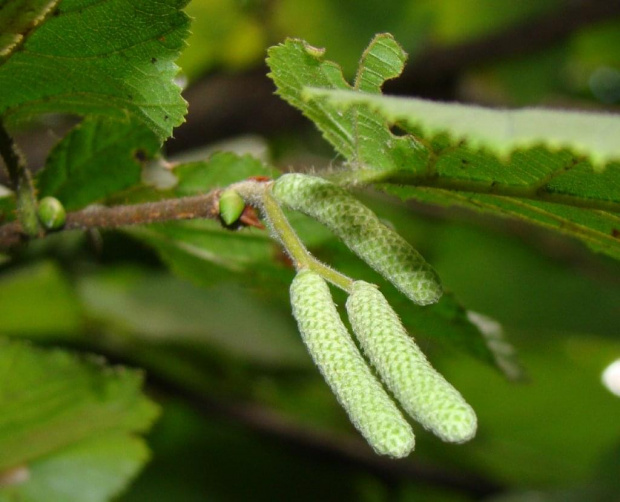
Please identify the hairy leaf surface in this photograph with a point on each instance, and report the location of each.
(557, 169)
(18, 19)
(113, 58)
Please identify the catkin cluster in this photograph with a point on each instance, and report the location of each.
(369, 407)
(360, 229)
(398, 362)
(423, 393)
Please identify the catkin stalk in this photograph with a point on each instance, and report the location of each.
(369, 407)
(420, 389)
(360, 229)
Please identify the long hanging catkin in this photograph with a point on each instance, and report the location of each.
(368, 405)
(421, 390)
(360, 229)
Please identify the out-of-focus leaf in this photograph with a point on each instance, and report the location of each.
(51, 399)
(56, 409)
(456, 22)
(220, 170)
(412, 22)
(37, 301)
(204, 251)
(236, 40)
(7, 207)
(19, 18)
(160, 308)
(199, 458)
(96, 159)
(93, 470)
(110, 58)
(539, 435)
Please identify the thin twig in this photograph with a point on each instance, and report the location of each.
(184, 208)
(21, 182)
(13, 159)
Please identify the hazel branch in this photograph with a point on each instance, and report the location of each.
(184, 208)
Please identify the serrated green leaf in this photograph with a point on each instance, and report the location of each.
(296, 65)
(589, 136)
(113, 58)
(19, 18)
(557, 169)
(600, 230)
(94, 470)
(52, 399)
(97, 158)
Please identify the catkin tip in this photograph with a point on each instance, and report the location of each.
(459, 425)
(422, 391)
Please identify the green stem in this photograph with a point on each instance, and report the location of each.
(301, 257)
(22, 183)
(285, 233)
(329, 274)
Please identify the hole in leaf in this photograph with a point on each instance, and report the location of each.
(397, 130)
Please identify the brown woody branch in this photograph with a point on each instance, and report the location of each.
(184, 208)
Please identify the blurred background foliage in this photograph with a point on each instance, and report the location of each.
(245, 415)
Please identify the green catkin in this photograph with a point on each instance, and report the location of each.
(368, 405)
(360, 229)
(421, 390)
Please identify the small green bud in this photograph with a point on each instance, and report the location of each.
(369, 407)
(51, 213)
(422, 391)
(231, 206)
(360, 229)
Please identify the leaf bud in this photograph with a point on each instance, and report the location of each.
(231, 206)
(51, 213)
